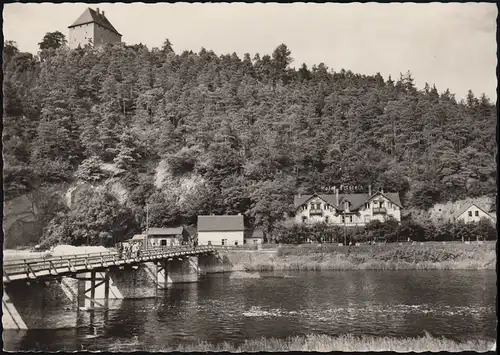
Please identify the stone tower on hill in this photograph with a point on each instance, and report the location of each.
(92, 27)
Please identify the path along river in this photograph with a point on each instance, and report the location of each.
(233, 307)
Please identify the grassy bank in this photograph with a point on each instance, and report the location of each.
(324, 343)
(383, 257)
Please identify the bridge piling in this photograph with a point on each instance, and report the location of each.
(11, 319)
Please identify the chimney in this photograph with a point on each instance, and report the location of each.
(98, 11)
(369, 190)
(337, 196)
(382, 190)
(103, 14)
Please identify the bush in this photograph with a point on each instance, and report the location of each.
(390, 230)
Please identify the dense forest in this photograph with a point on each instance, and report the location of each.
(250, 132)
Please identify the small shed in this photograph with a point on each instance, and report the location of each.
(253, 236)
(167, 236)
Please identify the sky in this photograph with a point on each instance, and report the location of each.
(450, 45)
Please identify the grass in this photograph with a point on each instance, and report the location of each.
(323, 343)
(384, 257)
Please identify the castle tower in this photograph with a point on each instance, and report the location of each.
(92, 27)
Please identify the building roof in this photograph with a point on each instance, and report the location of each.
(139, 237)
(355, 200)
(166, 231)
(91, 16)
(464, 209)
(220, 223)
(254, 233)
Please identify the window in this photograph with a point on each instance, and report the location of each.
(343, 219)
(244, 241)
(304, 219)
(209, 242)
(477, 213)
(326, 219)
(235, 243)
(350, 219)
(255, 241)
(470, 213)
(163, 242)
(367, 205)
(224, 241)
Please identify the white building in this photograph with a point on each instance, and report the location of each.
(473, 213)
(221, 230)
(347, 209)
(158, 237)
(92, 27)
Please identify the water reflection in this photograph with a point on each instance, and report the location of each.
(455, 304)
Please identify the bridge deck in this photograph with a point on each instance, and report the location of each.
(53, 267)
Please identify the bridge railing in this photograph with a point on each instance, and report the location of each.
(70, 263)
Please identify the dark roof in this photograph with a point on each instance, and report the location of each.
(355, 200)
(166, 231)
(91, 16)
(220, 223)
(254, 233)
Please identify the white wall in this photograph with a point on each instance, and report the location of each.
(365, 214)
(473, 209)
(80, 35)
(216, 238)
(157, 241)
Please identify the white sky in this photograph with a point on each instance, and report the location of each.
(451, 45)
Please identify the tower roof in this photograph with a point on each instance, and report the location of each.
(91, 16)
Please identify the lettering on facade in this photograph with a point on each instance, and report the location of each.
(344, 188)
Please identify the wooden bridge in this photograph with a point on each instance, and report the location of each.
(67, 265)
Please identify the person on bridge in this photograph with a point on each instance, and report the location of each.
(120, 250)
(133, 250)
(127, 251)
(138, 251)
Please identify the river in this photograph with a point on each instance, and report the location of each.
(231, 307)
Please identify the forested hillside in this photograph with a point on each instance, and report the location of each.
(248, 132)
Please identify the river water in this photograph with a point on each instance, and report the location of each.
(233, 307)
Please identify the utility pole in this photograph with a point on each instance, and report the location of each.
(345, 229)
(147, 224)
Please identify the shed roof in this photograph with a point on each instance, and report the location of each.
(220, 223)
(166, 231)
(139, 237)
(91, 16)
(254, 233)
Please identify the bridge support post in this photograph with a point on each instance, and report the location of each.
(91, 290)
(161, 274)
(11, 319)
(182, 269)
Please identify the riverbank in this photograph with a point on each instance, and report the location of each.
(322, 343)
(366, 257)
